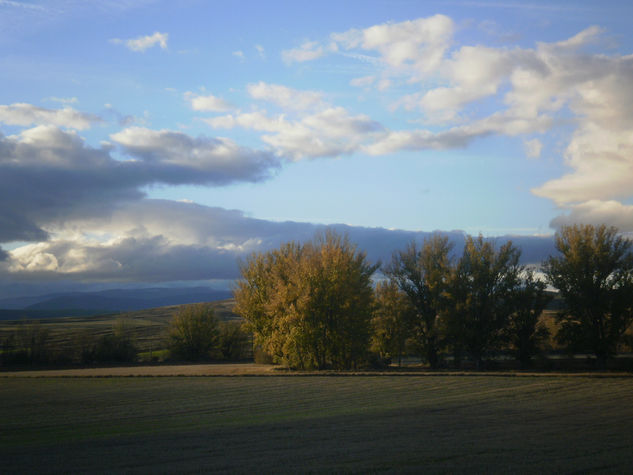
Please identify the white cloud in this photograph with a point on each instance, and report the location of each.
(598, 212)
(208, 103)
(27, 6)
(143, 43)
(328, 133)
(308, 51)
(533, 148)
(457, 137)
(239, 54)
(23, 114)
(260, 51)
(600, 152)
(286, 97)
(418, 44)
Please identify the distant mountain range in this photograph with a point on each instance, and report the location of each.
(106, 301)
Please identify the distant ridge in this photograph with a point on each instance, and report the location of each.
(106, 301)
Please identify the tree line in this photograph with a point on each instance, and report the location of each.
(194, 333)
(317, 305)
(314, 305)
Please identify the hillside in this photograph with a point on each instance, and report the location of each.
(146, 326)
(106, 301)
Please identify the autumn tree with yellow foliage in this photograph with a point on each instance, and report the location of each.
(309, 305)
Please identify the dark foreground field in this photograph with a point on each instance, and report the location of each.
(272, 424)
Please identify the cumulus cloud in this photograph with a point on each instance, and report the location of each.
(175, 157)
(600, 153)
(533, 90)
(23, 114)
(328, 133)
(417, 44)
(458, 137)
(49, 176)
(208, 103)
(598, 212)
(143, 43)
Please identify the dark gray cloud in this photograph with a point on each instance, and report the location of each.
(162, 241)
(90, 223)
(176, 158)
(49, 176)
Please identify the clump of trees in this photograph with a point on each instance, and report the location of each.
(196, 334)
(312, 305)
(118, 346)
(309, 305)
(594, 275)
(391, 323)
(193, 333)
(423, 275)
(29, 344)
(525, 332)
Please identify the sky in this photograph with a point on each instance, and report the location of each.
(157, 143)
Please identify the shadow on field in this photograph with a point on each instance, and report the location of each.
(481, 426)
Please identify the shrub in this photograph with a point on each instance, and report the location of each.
(194, 333)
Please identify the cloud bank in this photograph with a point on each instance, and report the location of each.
(82, 214)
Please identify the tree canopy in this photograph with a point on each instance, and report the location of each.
(193, 332)
(309, 305)
(482, 296)
(594, 275)
(423, 275)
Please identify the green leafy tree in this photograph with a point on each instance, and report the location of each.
(193, 332)
(309, 306)
(482, 296)
(233, 342)
(118, 346)
(525, 332)
(594, 275)
(32, 343)
(391, 321)
(424, 275)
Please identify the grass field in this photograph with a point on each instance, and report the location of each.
(272, 424)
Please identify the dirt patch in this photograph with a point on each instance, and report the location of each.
(253, 369)
(244, 369)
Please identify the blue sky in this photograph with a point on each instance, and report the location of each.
(189, 132)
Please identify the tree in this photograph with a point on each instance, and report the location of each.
(233, 341)
(423, 275)
(309, 306)
(524, 330)
(594, 275)
(391, 321)
(118, 346)
(193, 332)
(482, 292)
(31, 343)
